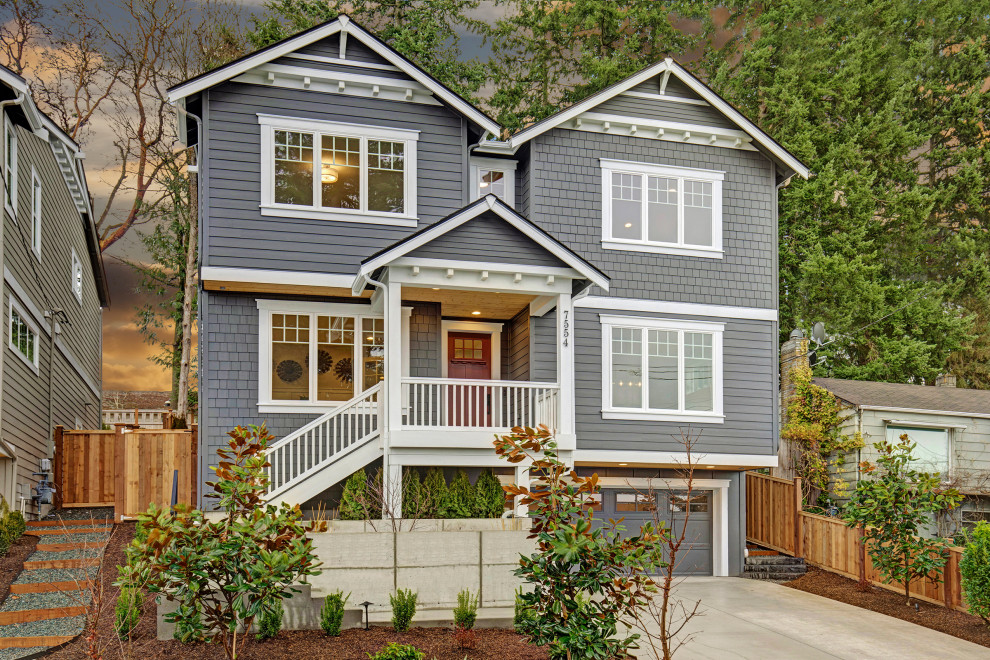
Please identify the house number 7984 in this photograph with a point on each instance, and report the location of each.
(567, 327)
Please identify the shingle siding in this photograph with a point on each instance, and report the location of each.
(487, 238)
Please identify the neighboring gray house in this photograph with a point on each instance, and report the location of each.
(52, 276)
(388, 280)
(949, 426)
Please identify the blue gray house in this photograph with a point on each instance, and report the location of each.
(389, 280)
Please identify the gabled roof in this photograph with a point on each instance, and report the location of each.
(908, 397)
(69, 158)
(458, 218)
(342, 24)
(670, 67)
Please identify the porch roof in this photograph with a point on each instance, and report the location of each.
(552, 251)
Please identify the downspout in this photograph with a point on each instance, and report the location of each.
(3, 195)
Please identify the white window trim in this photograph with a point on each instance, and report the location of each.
(268, 307)
(8, 129)
(270, 123)
(14, 306)
(949, 429)
(76, 268)
(494, 330)
(716, 416)
(714, 177)
(37, 199)
(507, 167)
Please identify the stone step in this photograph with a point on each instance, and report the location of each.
(783, 577)
(775, 568)
(776, 560)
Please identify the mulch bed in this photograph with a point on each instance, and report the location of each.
(12, 564)
(843, 589)
(353, 644)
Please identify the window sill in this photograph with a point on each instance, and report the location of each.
(301, 407)
(684, 418)
(707, 253)
(31, 365)
(340, 216)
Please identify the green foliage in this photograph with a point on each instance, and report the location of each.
(222, 573)
(127, 612)
(814, 422)
(522, 614)
(412, 494)
(886, 244)
(427, 32)
(466, 612)
(459, 502)
(892, 505)
(489, 497)
(332, 612)
(975, 570)
(12, 526)
(584, 580)
(270, 620)
(403, 608)
(354, 499)
(396, 651)
(434, 493)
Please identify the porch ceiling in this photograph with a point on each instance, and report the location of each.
(456, 303)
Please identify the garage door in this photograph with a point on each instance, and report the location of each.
(670, 506)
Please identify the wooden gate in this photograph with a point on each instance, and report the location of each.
(128, 469)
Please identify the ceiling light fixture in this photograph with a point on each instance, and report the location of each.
(710, 467)
(628, 225)
(476, 313)
(436, 288)
(623, 463)
(328, 174)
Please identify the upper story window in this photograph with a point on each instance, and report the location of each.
(23, 336)
(318, 354)
(336, 171)
(36, 213)
(77, 277)
(10, 166)
(493, 176)
(658, 369)
(663, 209)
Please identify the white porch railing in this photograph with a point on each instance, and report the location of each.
(324, 440)
(439, 403)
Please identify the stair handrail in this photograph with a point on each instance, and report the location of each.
(339, 410)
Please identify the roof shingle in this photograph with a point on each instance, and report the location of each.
(898, 395)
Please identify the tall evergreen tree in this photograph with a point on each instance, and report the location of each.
(887, 242)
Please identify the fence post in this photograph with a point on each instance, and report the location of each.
(948, 572)
(863, 583)
(194, 465)
(119, 481)
(798, 520)
(58, 467)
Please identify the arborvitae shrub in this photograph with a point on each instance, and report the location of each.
(489, 497)
(460, 497)
(434, 493)
(354, 499)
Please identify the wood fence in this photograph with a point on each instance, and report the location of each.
(128, 469)
(774, 519)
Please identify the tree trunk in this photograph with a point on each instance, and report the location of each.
(188, 293)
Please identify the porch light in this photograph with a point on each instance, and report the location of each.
(623, 463)
(328, 174)
(483, 184)
(710, 467)
(476, 313)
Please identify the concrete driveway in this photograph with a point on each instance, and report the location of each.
(759, 620)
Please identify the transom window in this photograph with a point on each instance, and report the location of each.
(652, 208)
(23, 336)
(338, 171)
(657, 369)
(10, 166)
(493, 176)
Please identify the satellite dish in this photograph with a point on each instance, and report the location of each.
(818, 333)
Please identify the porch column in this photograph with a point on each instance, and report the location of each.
(392, 474)
(522, 480)
(565, 369)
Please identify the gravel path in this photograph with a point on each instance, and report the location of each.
(56, 575)
(14, 654)
(45, 600)
(45, 555)
(71, 625)
(98, 514)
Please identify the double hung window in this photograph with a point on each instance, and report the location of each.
(659, 369)
(338, 171)
(23, 336)
(654, 208)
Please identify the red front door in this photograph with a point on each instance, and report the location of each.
(469, 357)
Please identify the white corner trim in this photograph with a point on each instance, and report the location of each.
(480, 327)
(662, 248)
(660, 458)
(679, 308)
(287, 277)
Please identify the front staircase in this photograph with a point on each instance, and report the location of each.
(764, 564)
(327, 450)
